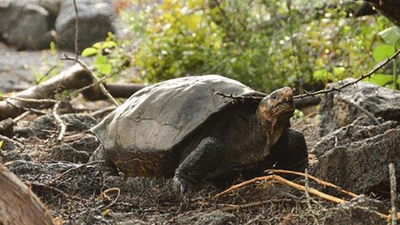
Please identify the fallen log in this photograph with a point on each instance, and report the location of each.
(73, 78)
(18, 205)
(117, 90)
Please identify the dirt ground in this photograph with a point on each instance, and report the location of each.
(78, 192)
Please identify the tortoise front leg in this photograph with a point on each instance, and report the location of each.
(290, 152)
(203, 160)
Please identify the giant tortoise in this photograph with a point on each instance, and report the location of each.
(187, 128)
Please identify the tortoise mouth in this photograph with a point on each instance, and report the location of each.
(287, 108)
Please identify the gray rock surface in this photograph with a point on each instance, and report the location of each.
(217, 217)
(336, 113)
(8, 144)
(69, 154)
(359, 211)
(95, 21)
(358, 130)
(29, 24)
(25, 23)
(356, 158)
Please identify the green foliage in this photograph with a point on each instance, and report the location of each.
(381, 79)
(177, 42)
(106, 56)
(391, 37)
(102, 65)
(382, 52)
(264, 44)
(298, 114)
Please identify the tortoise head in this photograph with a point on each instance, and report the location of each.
(274, 112)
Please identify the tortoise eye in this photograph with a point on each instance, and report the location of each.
(273, 96)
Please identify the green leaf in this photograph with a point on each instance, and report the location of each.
(322, 75)
(381, 79)
(102, 65)
(38, 76)
(108, 44)
(97, 45)
(1, 143)
(382, 52)
(339, 72)
(390, 35)
(89, 52)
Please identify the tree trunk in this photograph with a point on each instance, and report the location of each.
(18, 205)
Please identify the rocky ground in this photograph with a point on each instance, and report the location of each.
(353, 150)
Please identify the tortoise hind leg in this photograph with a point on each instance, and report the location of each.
(203, 160)
(107, 166)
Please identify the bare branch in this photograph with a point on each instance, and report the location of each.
(368, 75)
(393, 193)
(103, 89)
(76, 30)
(240, 99)
(73, 169)
(59, 121)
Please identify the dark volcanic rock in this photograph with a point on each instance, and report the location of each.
(82, 180)
(213, 218)
(88, 144)
(358, 211)
(70, 154)
(95, 21)
(8, 144)
(336, 112)
(46, 125)
(356, 158)
(360, 129)
(24, 24)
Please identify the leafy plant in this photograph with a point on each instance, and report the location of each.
(101, 52)
(391, 38)
(264, 44)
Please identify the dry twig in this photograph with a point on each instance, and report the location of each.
(75, 168)
(76, 30)
(104, 195)
(230, 207)
(319, 181)
(308, 198)
(63, 127)
(393, 193)
(48, 187)
(282, 180)
(325, 91)
(101, 85)
(31, 99)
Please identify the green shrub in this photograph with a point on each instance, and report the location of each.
(264, 44)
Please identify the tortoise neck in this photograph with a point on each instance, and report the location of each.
(271, 128)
